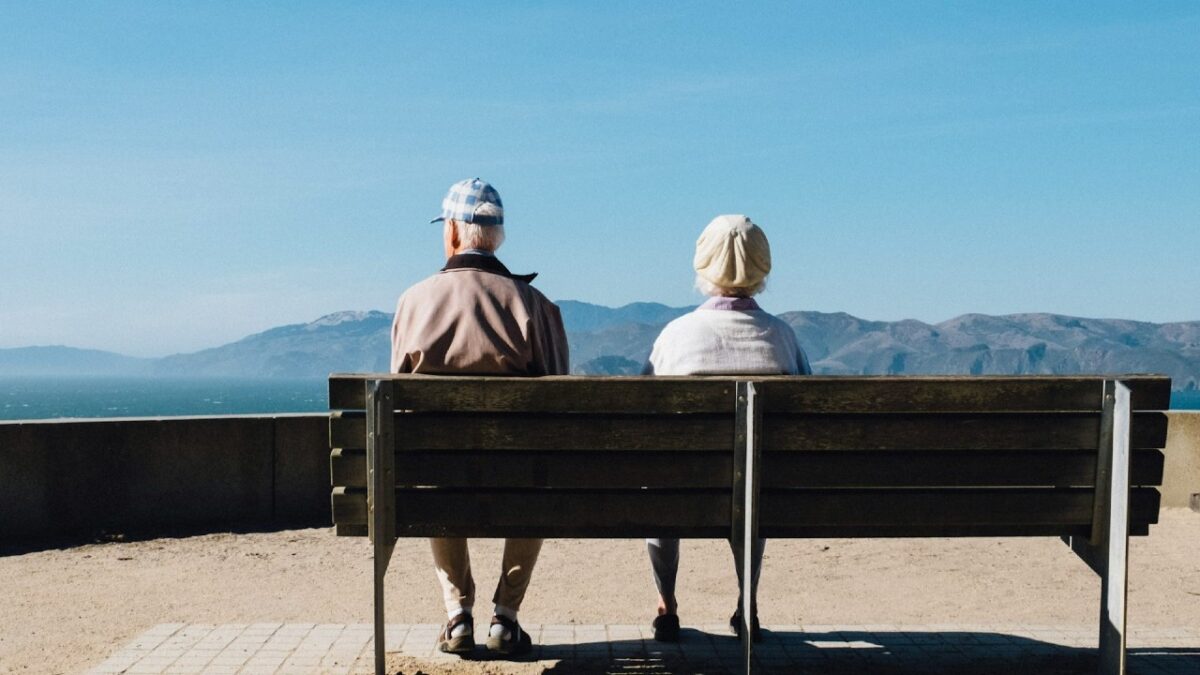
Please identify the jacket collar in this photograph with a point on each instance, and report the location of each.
(484, 263)
(738, 304)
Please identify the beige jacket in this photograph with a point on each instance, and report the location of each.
(476, 318)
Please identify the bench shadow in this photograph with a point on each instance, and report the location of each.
(845, 652)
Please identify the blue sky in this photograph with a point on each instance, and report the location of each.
(174, 176)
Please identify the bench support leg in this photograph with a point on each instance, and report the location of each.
(381, 496)
(1114, 582)
(746, 486)
(1107, 550)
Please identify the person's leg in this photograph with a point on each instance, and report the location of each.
(452, 563)
(664, 562)
(505, 634)
(755, 572)
(520, 555)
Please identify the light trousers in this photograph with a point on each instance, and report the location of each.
(452, 561)
(664, 562)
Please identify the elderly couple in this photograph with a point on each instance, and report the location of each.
(476, 317)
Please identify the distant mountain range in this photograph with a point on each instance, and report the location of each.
(617, 341)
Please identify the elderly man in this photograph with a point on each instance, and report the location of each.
(475, 317)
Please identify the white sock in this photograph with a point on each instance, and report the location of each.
(498, 630)
(462, 628)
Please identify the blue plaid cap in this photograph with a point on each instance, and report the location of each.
(465, 199)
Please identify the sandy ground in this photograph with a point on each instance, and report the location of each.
(66, 610)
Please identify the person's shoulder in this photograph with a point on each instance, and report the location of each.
(431, 286)
(422, 285)
(535, 292)
(691, 322)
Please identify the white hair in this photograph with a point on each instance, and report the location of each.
(709, 288)
(483, 237)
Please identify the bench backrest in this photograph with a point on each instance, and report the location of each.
(840, 456)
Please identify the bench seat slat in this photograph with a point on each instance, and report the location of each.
(713, 469)
(813, 394)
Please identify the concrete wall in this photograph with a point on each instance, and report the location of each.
(66, 477)
(1181, 473)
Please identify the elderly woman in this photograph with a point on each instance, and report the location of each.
(727, 335)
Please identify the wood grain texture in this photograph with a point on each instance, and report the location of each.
(781, 393)
(953, 468)
(539, 469)
(947, 431)
(883, 431)
(713, 469)
(550, 513)
(706, 514)
(556, 394)
(954, 393)
(532, 431)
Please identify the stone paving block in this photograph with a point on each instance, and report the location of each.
(334, 648)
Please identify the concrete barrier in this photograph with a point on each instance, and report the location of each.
(1181, 472)
(120, 475)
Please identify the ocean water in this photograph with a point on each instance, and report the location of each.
(1185, 400)
(49, 398)
(45, 398)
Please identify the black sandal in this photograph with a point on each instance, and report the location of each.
(517, 643)
(666, 628)
(735, 625)
(463, 644)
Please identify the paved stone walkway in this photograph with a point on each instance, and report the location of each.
(273, 648)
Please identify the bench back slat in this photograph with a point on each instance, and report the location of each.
(712, 469)
(555, 394)
(529, 431)
(632, 457)
(705, 513)
(713, 394)
(782, 431)
(948, 431)
(1018, 393)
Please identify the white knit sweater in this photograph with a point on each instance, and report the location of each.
(726, 336)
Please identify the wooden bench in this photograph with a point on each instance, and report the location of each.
(1063, 456)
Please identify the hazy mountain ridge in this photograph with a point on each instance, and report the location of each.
(343, 341)
(1011, 344)
(59, 360)
(608, 340)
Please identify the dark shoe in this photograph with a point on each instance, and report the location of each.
(735, 625)
(666, 628)
(463, 644)
(516, 643)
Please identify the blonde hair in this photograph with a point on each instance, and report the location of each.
(708, 288)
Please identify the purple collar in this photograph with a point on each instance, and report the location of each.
(737, 304)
